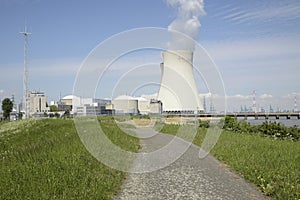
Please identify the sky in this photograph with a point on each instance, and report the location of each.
(254, 44)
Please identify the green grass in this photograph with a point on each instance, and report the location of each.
(272, 164)
(45, 159)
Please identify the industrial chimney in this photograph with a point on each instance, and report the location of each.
(178, 91)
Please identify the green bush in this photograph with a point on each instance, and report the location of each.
(203, 123)
(270, 129)
(278, 130)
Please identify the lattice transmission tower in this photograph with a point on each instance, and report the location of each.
(25, 76)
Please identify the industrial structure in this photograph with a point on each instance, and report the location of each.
(25, 76)
(254, 107)
(91, 107)
(38, 104)
(127, 105)
(178, 91)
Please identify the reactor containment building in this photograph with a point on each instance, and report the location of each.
(178, 90)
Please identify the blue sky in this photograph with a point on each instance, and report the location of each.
(255, 44)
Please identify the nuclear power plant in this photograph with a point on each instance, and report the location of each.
(178, 91)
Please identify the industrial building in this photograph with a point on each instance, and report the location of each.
(88, 106)
(127, 105)
(178, 91)
(37, 103)
(69, 99)
(124, 105)
(121, 105)
(143, 105)
(155, 107)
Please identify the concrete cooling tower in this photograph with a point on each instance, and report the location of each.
(178, 91)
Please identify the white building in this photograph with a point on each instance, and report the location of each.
(155, 107)
(143, 105)
(70, 100)
(38, 103)
(88, 106)
(124, 105)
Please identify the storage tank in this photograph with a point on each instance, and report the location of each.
(178, 91)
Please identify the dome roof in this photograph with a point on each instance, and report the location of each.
(69, 97)
(141, 99)
(124, 97)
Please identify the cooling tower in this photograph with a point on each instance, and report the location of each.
(178, 91)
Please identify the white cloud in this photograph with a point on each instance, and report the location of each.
(257, 48)
(265, 96)
(274, 12)
(264, 64)
(292, 95)
(239, 96)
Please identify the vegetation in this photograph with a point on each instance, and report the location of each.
(271, 129)
(7, 106)
(140, 117)
(45, 159)
(272, 162)
(56, 115)
(203, 123)
(53, 108)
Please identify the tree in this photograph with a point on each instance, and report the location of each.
(7, 106)
(53, 108)
(56, 115)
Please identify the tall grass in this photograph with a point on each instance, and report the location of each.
(272, 164)
(45, 159)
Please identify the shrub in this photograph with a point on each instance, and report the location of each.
(270, 129)
(203, 123)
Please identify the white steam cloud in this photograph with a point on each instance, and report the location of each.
(187, 22)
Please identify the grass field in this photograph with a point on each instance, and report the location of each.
(45, 159)
(272, 164)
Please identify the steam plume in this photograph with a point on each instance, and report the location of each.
(187, 22)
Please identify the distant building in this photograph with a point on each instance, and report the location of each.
(125, 105)
(69, 100)
(122, 105)
(143, 105)
(37, 103)
(155, 107)
(90, 106)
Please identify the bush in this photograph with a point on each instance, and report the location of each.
(271, 129)
(278, 130)
(231, 124)
(203, 123)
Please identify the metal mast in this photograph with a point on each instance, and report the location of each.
(25, 77)
(254, 102)
(295, 104)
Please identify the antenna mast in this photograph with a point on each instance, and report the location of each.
(295, 104)
(254, 102)
(25, 77)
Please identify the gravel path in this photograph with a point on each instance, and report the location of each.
(187, 178)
